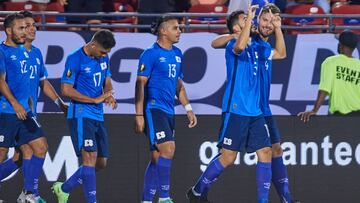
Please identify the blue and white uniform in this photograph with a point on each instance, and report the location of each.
(163, 69)
(86, 121)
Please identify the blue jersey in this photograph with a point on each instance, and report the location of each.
(163, 69)
(2, 62)
(38, 73)
(87, 75)
(17, 76)
(2, 66)
(265, 67)
(242, 94)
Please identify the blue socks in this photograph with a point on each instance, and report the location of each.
(89, 183)
(163, 169)
(263, 180)
(209, 176)
(150, 182)
(6, 168)
(32, 174)
(25, 168)
(73, 181)
(280, 179)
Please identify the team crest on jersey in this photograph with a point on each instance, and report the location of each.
(103, 66)
(38, 61)
(178, 59)
(26, 54)
(69, 73)
(142, 67)
(162, 59)
(13, 57)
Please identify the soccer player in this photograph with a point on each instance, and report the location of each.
(159, 80)
(38, 77)
(87, 82)
(339, 79)
(269, 22)
(17, 120)
(244, 127)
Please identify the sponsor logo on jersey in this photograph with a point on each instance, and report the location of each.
(87, 70)
(13, 57)
(162, 59)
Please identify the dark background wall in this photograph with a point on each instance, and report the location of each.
(310, 182)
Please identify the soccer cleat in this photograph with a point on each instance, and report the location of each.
(192, 197)
(40, 200)
(30, 198)
(166, 201)
(61, 196)
(21, 198)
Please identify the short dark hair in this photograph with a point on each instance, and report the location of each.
(348, 38)
(155, 26)
(105, 38)
(9, 19)
(27, 14)
(232, 19)
(269, 7)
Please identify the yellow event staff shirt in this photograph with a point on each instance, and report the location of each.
(340, 77)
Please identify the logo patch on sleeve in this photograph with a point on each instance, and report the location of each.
(69, 73)
(142, 67)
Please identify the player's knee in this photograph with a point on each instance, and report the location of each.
(264, 154)
(26, 151)
(100, 165)
(276, 150)
(3, 153)
(227, 159)
(167, 150)
(89, 158)
(41, 149)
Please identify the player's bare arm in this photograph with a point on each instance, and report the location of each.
(280, 48)
(50, 92)
(305, 116)
(68, 90)
(182, 96)
(244, 37)
(109, 88)
(220, 41)
(139, 104)
(5, 90)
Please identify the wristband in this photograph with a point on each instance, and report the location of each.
(139, 115)
(58, 101)
(188, 107)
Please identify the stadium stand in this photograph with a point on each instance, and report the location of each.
(341, 8)
(304, 21)
(210, 8)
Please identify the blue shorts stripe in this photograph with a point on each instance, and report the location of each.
(224, 127)
(151, 126)
(80, 132)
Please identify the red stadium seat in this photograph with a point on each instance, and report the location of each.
(212, 8)
(304, 21)
(120, 7)
(30, 6)
(341, 8)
